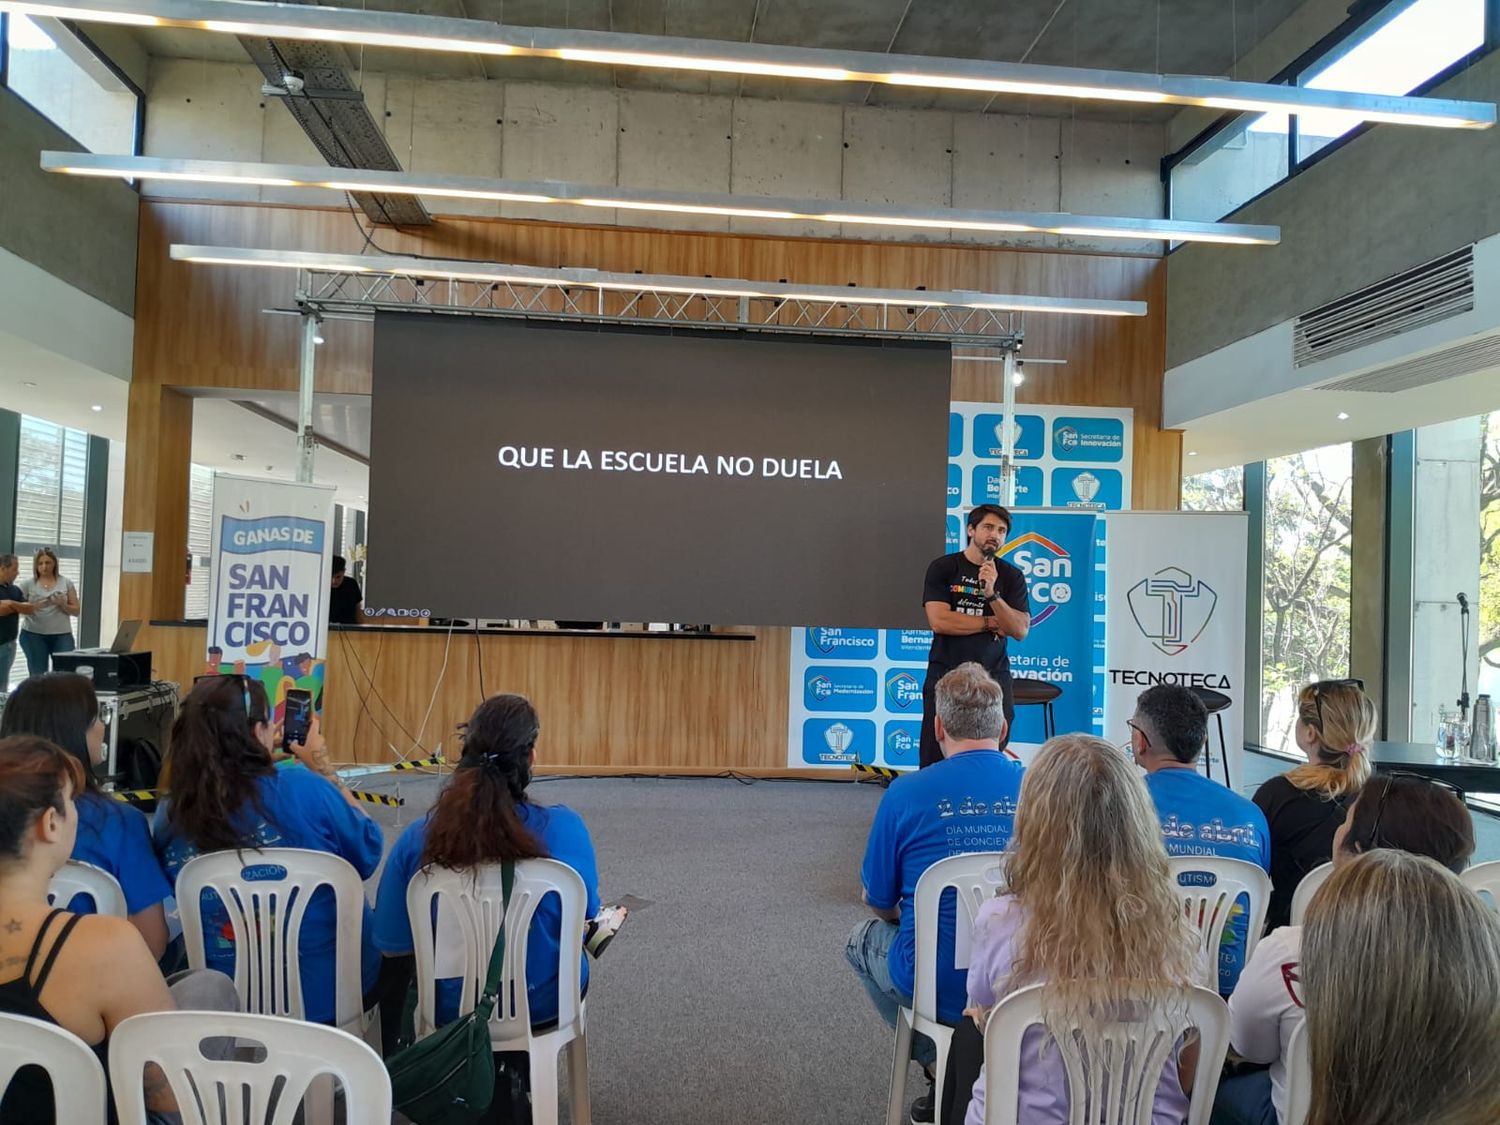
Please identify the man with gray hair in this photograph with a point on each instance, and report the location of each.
(964, 803)
(13, 604)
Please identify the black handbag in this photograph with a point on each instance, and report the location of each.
(448, 1078)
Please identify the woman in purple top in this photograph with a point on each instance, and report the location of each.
(1089, 912)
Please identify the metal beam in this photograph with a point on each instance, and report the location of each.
(839, 212)
(373, 27)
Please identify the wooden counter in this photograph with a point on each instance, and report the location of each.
(609, 702)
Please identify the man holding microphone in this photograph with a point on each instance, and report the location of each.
(975, 603)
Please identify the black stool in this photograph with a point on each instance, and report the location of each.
(1028, 692)
(1216, 703)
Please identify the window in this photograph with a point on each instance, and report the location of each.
(1234, 166)
(1398, 54)
(1219, 490)
(64, 78)
(200, 541)
(1305, 604)
(51, 479)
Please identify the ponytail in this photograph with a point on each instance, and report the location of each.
(477, 817)
(216, 762)
(1344, 722)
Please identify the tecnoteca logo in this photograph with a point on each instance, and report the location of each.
(1172, 608)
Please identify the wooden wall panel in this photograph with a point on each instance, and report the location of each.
(620, 703)
(608, 703)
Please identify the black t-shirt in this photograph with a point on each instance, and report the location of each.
(954, 581)
(343, 601)
(1302, 826)
(10, 624)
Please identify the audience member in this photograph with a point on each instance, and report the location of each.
(48, 628)
(1199, 817)
(1401, 977)
(62, 708)
(964, 803)
(346, 601)
(1305, 806)
(1400, 811)
(13, 606)
(82, 973)
(225, 793)
(1089, 911)
(482, 816)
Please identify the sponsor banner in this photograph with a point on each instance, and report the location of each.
(1176, 614)
(268, 599)
(1068, 457)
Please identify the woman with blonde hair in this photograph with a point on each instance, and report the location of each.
(1401, 978)
(1336, 722)
(1089, 912)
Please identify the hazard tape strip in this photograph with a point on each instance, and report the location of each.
(876, 771)
(424, 763)
(377, 798)
(134, 796)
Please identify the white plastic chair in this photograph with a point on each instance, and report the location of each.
(78, 878)
(1306, 889)
(976, 877)
(1298, 1077)
(469, 917)
(300, 1056)
(1209, 895)
(1484, 880)
(266, 894)
(1133, 1053)
(78, 1090)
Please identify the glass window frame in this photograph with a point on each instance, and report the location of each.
(138, 140)
(1333, 46)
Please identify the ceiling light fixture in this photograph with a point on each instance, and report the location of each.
(1192, 453)
(646, 199)
(28, 383)
(496, 273)
(377, 28)
(1342, 416)
(317, 339)
(96, 408)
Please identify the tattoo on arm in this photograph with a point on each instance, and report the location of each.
(13, 926)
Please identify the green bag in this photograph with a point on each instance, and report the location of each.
(448, 1078)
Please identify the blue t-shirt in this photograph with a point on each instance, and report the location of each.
(565, 838)
(303, 810)
(1201, 817)
(966, 803)
(116, 837)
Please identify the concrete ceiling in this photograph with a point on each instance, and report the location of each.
(1173, 36)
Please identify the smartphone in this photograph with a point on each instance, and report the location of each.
(297, 718)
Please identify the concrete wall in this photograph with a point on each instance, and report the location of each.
(1389, 199)
(79, 230)
(599, 135)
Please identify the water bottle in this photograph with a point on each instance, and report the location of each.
(1482, 734)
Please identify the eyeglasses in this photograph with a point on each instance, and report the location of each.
(1131, 723)
(244, 682)
(1323, 686)
(1390, 779)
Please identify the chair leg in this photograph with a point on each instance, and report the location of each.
(1224, 750)
(580, 1110)
(544, 1105)
(896, 1110)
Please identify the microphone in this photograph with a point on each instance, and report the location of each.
(1463, 599)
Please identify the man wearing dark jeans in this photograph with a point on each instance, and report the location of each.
(975, 602)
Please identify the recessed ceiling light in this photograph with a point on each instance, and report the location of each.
(1343, 417)
(1192, 453)
(96, 408)
(28, 384)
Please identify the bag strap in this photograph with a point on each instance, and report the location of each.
(486, 1003)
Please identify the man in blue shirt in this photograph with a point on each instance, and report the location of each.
(1198, 815)
(964, 803)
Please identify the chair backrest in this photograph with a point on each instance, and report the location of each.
(977, 877)
(1112, 1071)
(266, 894)
(273, 1054)
(78, 878)
(1298, 1077)
(78, 1090)
(1484, 880)
(468, 913)
(1208, 887)
(1306, 889)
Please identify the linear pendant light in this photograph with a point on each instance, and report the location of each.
(397, 265)
(651, 199)
(442, 33)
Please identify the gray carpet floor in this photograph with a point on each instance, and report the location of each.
(726, 996)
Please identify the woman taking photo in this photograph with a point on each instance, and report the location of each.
(1401, 978)
(1089, 912)
(1305, 806)
(225, 794)
(484, 815)
(62, 708)
(48, 628)
(82, 973)
(1398, 811)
